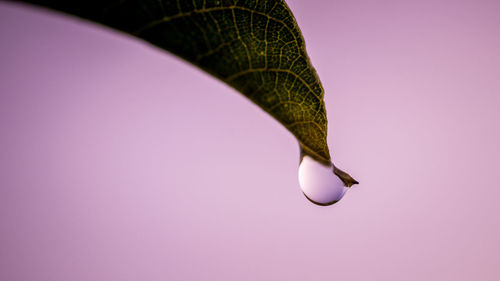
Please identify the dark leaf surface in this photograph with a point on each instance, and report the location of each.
(254, 46)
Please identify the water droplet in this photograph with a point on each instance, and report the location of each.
(318, 182)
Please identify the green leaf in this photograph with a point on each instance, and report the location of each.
(254, 46)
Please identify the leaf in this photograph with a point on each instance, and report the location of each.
(254, 46)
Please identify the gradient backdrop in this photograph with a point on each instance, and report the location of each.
(121, 162)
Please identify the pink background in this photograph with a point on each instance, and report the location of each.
(120, 162)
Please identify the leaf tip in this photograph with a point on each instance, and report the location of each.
(345, 177)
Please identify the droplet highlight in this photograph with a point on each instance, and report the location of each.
(319, 183)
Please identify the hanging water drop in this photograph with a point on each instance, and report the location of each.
(320, 183)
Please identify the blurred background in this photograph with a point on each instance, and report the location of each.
(121, 162)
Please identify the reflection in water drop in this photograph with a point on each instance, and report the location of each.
(318, 182)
